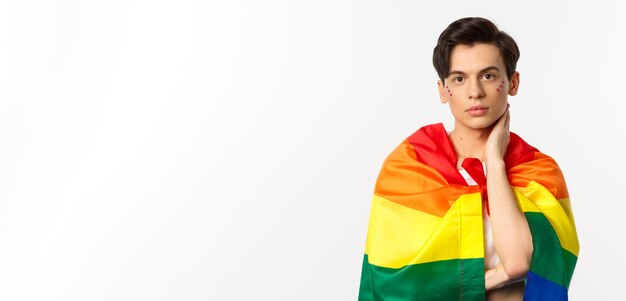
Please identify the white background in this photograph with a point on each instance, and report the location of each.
(228, 150)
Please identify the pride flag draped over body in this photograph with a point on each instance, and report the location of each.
(425, 233)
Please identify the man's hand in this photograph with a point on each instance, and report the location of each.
(498, 140)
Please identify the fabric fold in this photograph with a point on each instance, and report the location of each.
(425, 233)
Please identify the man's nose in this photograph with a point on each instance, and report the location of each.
(476, 90)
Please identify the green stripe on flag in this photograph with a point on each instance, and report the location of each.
(419, 281)
(549, 259)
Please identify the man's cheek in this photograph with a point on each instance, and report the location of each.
(499, 88)
(449, 90)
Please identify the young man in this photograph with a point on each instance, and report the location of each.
(476, 213)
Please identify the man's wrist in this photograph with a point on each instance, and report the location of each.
(495, 164)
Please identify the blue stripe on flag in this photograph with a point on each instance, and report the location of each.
(539, 288)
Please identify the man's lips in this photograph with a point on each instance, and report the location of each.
(477, 108)
(477, 111)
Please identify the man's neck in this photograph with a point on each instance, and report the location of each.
(468, 142)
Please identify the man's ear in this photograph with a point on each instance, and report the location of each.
(442, 93)
(514, 84)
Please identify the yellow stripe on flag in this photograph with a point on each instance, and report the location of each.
(536, 198)
(399, 236)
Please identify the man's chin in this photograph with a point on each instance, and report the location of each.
(480, 125)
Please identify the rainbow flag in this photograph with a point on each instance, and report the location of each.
(425, 233)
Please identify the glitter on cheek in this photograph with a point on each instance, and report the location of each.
(500, 87)
(449, 91)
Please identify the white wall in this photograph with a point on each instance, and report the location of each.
(227, 150)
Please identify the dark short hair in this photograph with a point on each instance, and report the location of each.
(470, 31)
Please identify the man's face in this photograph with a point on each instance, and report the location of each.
(477, 78)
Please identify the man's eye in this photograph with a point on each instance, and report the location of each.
(458, 79)
(489, 76)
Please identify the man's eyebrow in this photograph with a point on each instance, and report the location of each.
(481, 71)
